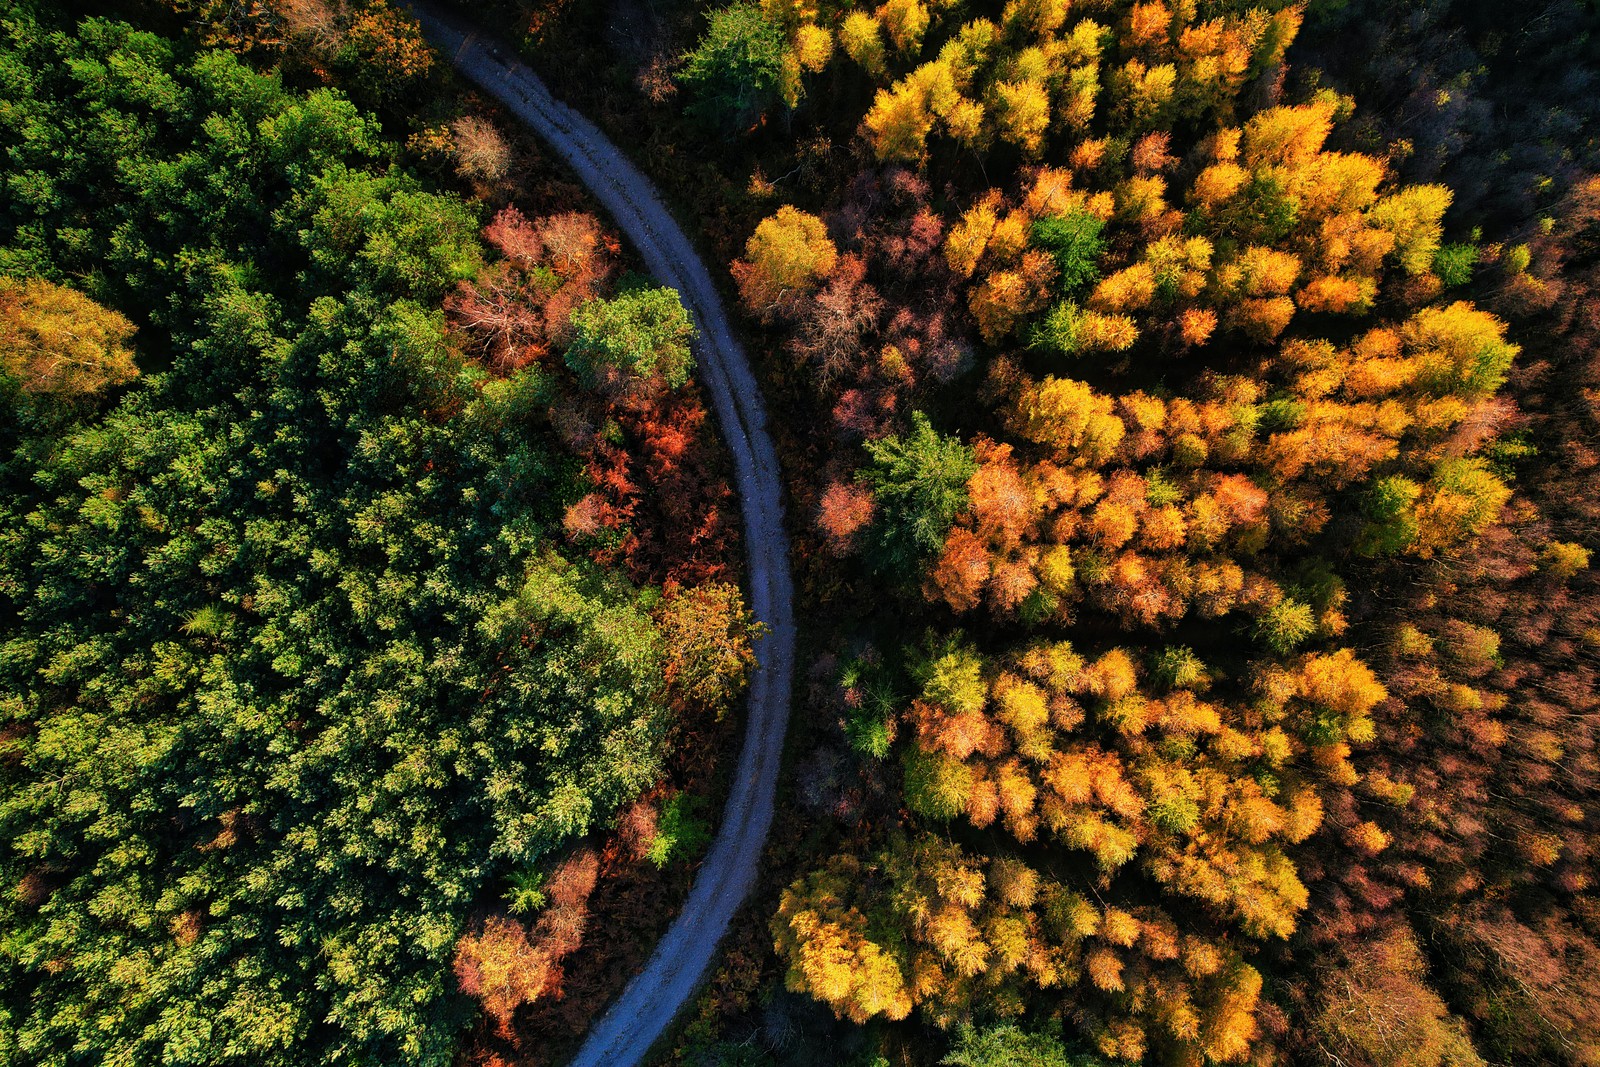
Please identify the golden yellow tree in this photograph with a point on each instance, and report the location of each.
(789, 254)
(58, 343)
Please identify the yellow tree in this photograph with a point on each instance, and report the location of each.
(906, 21)
(825, 940)
(899, 123)
(788, 255)
(861, 37)
(58, 343)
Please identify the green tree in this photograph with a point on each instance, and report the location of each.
(1058, 330)
(390, 233)
(682, 833)
(1391, 525)
(936, 786)
(920, 483)
(294, 677)
(1008, 1045)
(736, 73)
(1075, 242)
(1286, 625)
(633, 346)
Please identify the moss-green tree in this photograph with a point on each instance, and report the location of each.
(633, 346)
(920, 482)
(736, 72)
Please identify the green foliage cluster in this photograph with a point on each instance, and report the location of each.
(1074, 241)
(1057, 329)
(736, 72)
(870, 704)
(682, 832)
(292, 672)
(920, 481)
(1007, 1045)
(637, 339)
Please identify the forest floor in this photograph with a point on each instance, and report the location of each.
(623, 1036)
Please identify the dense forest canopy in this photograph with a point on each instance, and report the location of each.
(1211, 684)
(300, 663)
(1187, 410)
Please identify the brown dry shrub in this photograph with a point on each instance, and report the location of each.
(845, 511)
(504, 969)
(574, 879)
(636, 829)
(480, 151)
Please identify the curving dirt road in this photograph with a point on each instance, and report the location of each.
(634, 1023)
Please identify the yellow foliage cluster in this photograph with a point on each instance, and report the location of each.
(57, 342)
(993, 239)
(1131, 766)
(1082, 517)
(1202, 494)
(971, 930)
(824, 939)
(1098, 757)
(1038, 74)
(789, 253)
(1275, 225)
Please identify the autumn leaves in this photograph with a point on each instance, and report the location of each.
(1306, 404)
